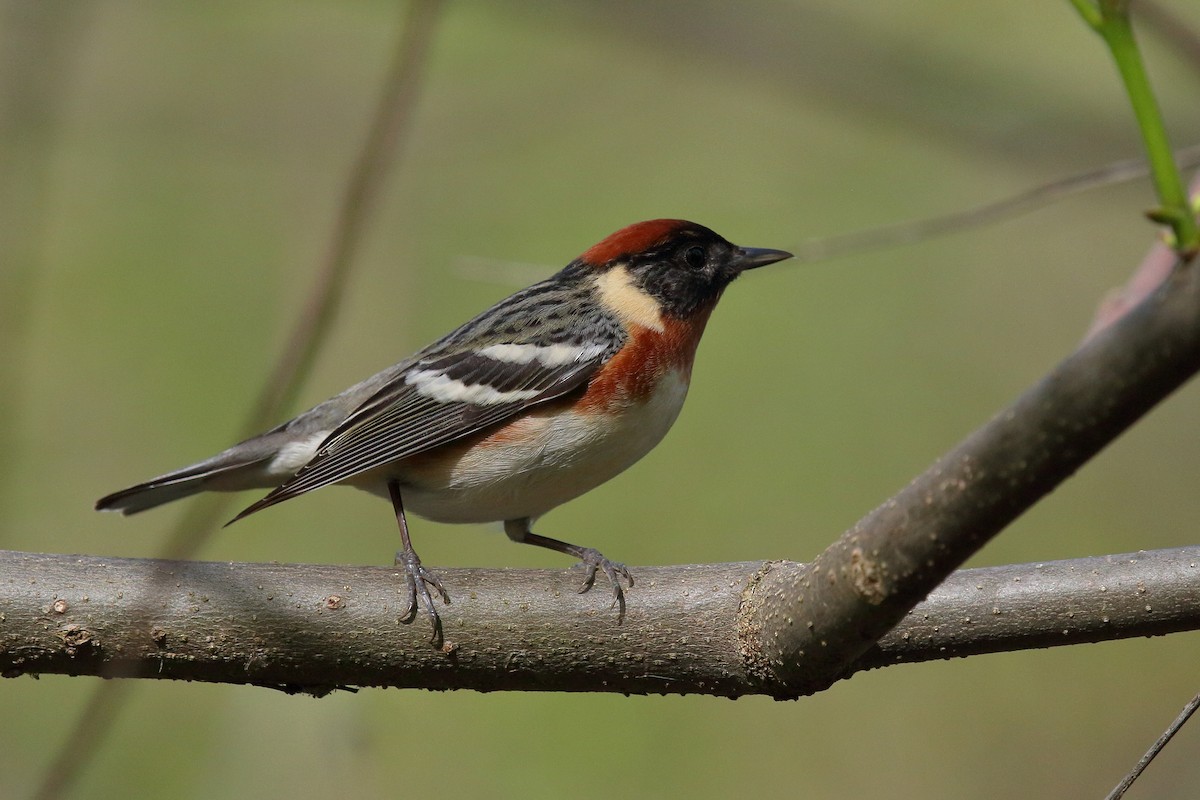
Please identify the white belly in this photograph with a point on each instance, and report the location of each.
(557, 458)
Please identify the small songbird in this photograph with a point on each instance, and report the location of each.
(542, 397)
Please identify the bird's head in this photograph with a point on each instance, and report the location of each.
(682, 266)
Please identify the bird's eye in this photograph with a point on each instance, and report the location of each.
(694, 256)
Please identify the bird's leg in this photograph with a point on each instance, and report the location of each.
(518, 530)
(419, 578)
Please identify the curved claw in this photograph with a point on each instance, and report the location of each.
(419, 580)
(595, 562)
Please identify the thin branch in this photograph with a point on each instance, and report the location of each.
(1181, 720)
(914, 231)
(315, 628)
(40, 47)
(383, 146)
(895, 234)
(384, 142)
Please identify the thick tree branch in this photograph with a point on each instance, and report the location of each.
(816, 622)
(313, 628)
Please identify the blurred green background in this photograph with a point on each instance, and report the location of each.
(171, 172)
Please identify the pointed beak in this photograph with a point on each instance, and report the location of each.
(753, 257)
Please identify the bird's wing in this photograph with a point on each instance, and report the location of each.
(442, 398)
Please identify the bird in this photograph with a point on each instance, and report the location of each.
(542, 397)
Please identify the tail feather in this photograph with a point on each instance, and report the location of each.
(182, 483)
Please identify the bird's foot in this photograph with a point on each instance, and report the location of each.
(593, 562)
(419, 580)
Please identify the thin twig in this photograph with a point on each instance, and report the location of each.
(385, 140)
(1168, 734)
(914, 231)
(896, 234)
(383, 146)
(40, 48)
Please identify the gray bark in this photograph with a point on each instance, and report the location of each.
(818, 621)
(689, 629)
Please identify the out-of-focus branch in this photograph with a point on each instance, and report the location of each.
(383, 146)
(39, 47)
(895, 234)
(315, 628)
(979, 216)
(383, 143)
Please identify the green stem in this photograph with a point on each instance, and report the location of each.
(1111, 20)
(1089, 12)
